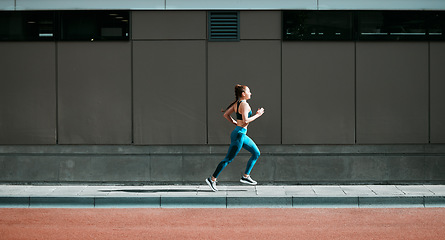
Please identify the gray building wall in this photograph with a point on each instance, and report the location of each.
(318, 93)
(392, 92)
(28, 93)
(335, 111)
(94, 93)
(437, 98)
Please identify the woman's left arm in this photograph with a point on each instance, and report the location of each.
(227, 115)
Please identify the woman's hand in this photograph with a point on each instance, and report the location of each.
(260, 111)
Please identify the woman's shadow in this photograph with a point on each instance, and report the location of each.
(168, 190)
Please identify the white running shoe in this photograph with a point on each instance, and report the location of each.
(248, 180)
(212, 184)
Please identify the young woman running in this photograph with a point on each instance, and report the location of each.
(239, 139)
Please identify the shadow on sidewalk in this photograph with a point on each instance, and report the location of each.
(168, 190)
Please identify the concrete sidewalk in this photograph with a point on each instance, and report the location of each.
(200, 196)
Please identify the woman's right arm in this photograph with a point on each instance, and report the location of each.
(245, 109)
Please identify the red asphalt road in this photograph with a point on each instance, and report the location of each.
(411, 223)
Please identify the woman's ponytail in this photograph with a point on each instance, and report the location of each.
(239, 89)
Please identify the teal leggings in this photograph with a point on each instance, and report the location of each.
(239, 140)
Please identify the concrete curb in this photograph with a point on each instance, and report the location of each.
(223, 202)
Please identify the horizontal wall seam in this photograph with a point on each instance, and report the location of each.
(221, 154)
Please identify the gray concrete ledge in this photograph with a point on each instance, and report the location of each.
(186, 165)
(363, 196)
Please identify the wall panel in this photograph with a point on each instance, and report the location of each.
(437, 87)
(169, 92)
(260, 25)
(27, 93)
(94, 92)
(169, 25)
(392, 92)
(253, 63)
(318, 93)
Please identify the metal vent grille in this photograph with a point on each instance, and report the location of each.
(224, 26)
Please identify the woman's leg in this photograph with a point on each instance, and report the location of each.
(235, 147)
(250, 146)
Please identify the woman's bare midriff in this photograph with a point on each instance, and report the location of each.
(240, 123)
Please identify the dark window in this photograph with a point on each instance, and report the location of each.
(318, 25)
(392, 25)
(436, 25)
(64, 25)
(94, 25)
(224, 26)
(364, 25)
(27, 26)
